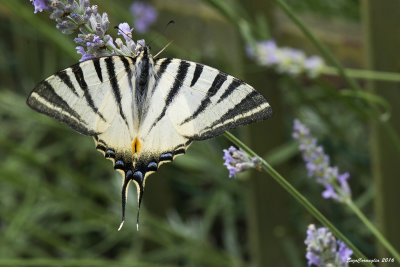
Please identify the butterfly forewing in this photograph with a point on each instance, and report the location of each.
(202, 102)
(93, 97)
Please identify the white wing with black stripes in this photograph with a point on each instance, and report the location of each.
(144, 112)
(202, 102)
(91, 97)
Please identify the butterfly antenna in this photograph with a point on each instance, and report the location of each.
(124, 197)
(163, 33)
(163, 49)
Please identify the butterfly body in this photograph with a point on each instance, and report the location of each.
(143, 112)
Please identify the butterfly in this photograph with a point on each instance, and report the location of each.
(143, 112)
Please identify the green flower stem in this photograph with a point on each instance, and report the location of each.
(324, 51)
(374, 230)
(296, 194)
(365, 74)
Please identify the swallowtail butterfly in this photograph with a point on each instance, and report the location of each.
(143, 112)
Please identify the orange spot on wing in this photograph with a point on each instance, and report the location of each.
(136, 145)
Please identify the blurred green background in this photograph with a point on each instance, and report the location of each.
(60, 199)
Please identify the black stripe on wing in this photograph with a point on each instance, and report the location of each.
(67, 80)
(237, 116)
(163, 66)
(77, 70)
(219, 79)
(53, 101)
(128, 70)
(173, 92)
(197, 72)
(97, 67)
(231, 88)
(115, 86)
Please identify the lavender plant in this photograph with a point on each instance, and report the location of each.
(324, 250)
(93, 41)
(263, 165)
(318, 165)
(285, 60)
(336, 186)
(236, 160)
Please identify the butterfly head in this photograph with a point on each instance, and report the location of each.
(143, 51)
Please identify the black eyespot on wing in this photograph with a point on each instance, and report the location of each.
(119, 164)
(166, 156)
(129, 175)
(138, 177)
(110, 154)
(152, 166)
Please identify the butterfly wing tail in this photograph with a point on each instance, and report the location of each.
(137, 178)
(124, 195)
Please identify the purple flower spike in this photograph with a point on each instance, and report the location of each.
(39, 5)
(91, 26)
(323, 249)
(317, 164)
(285, 60)
(145, 15)
(236, 160)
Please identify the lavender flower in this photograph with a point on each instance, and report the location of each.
(130, 47)
(314, 66)
(290, 61)
(145, 15)
(317, 164)
(93, 40)
(324, 250)
(40, 5)
(285, 60)
(344, 252)
(265, 53)
(236, 160)
(125, 30)
(85, 55)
